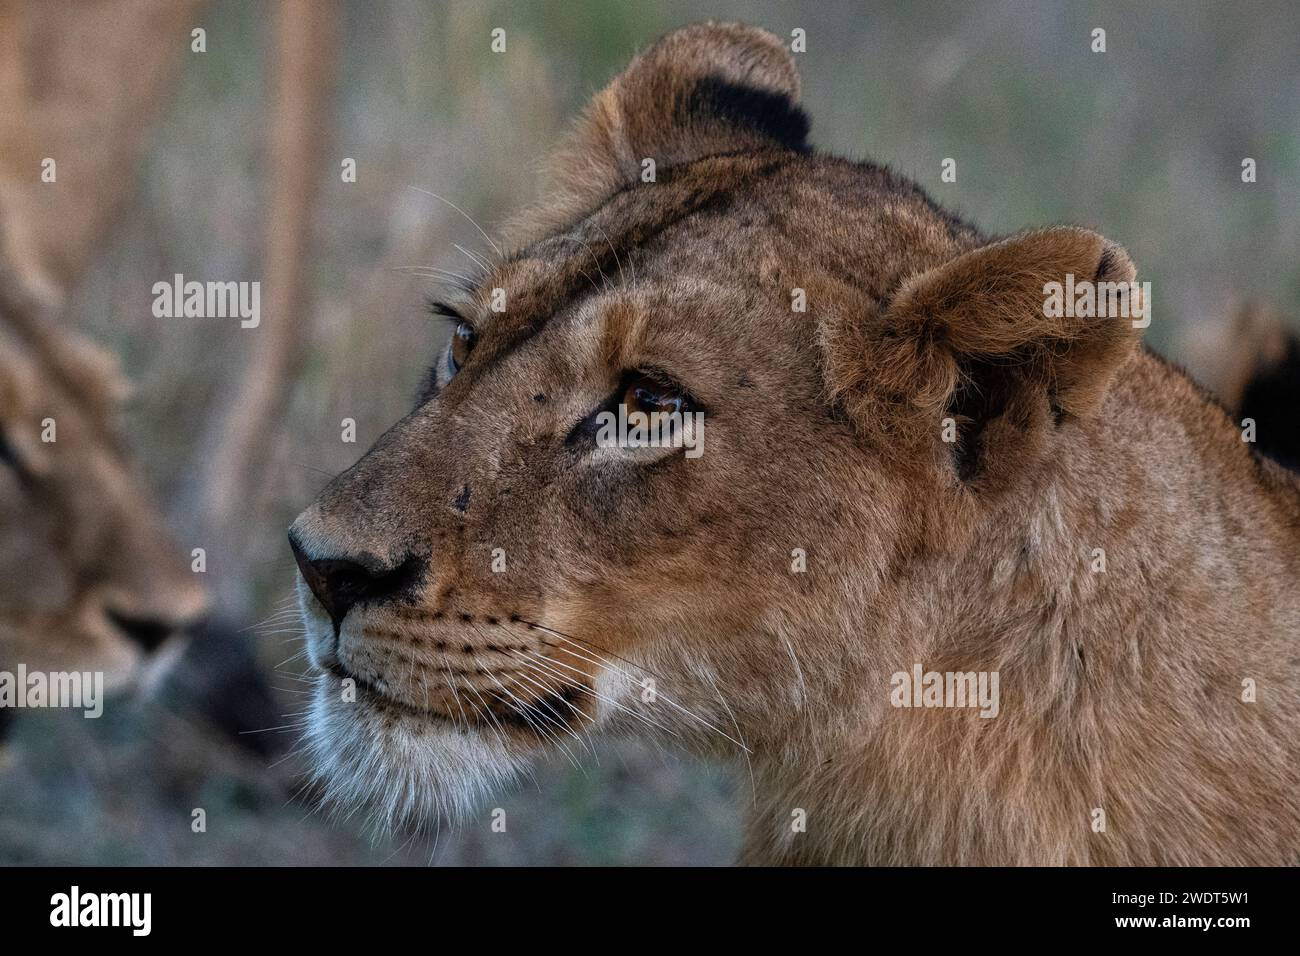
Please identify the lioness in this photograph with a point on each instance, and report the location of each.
(90, 579)
(925, 470)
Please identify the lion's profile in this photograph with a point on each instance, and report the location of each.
(921, 468)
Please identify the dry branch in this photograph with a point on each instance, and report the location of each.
(302, 70)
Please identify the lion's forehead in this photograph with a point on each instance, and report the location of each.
(752, 224)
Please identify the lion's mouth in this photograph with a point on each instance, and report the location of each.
(375, 694)
(535, 712)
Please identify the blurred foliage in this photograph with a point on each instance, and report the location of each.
(1143, 142)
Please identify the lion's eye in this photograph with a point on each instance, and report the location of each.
(644, 394)
(462, 340)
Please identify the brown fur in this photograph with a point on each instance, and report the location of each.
(84, 555)
(1119, 690)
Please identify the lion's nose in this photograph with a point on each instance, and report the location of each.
(148, 632)
(340, 583)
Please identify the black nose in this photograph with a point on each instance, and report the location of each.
(341, 583)
(148, 632)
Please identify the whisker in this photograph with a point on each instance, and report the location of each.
(520, 708)
(471, 219)
(492, 718)
(542, 661)
(296, 725)
(560, 723)
(753, 787)
(585, 274)
(275, 617)
(474, 257)
(456, 697)
(659, 694)
(577, 710)
(621, 277)
(290, 660)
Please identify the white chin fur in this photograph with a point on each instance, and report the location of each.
(414, 774)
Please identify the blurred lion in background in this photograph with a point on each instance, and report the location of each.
(90, 579)
(1252, 364)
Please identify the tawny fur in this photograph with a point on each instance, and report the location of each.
(83, 537)
(1121, 691)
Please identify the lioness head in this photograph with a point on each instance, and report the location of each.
(89, 578)
(499, 575)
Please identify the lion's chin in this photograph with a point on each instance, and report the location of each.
(403, 771)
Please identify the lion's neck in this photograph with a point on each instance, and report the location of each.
(1122, 614)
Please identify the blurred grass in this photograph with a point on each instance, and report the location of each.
(122, 790)
(1143, 142)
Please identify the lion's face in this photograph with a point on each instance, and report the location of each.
(493, 578)
(89, 578)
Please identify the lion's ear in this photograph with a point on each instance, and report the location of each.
(704, 89)
(981, 358)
